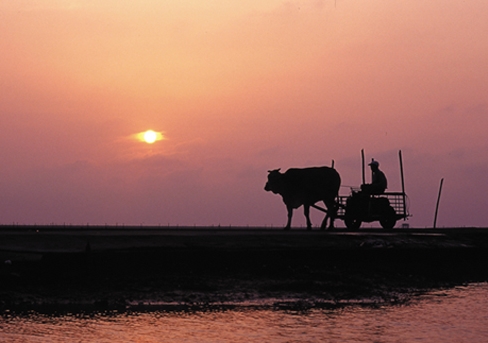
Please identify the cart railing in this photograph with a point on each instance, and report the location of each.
(341, 202)
(396, 199)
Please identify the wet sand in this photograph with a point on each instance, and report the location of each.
(106, 268)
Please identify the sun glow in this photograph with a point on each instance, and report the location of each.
(150, 136)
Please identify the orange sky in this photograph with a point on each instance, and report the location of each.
(236, 88)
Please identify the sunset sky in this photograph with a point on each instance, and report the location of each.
(234, 89)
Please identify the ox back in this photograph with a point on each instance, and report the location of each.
(310, 185)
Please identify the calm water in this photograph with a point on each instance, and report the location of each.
(454, 315)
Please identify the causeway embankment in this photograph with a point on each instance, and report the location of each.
(120, 267)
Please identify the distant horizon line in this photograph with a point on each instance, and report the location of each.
(208, 227)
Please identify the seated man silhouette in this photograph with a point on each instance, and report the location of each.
(378, 180)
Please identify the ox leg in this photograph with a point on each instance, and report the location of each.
(331, 213)
(327, 216)
(324, 222)
(290, 214)
(306, 211)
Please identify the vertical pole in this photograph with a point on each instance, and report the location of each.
(362, 162)
(332, 164)
(437, 205)
(403, 185)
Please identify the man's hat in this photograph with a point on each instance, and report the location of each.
(374, 163)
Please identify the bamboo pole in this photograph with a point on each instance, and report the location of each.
(362, 168)
(403, 185)
(437, 205)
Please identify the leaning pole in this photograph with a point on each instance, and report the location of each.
(437, 205)
(403, 184)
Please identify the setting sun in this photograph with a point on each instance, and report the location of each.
(150, 136)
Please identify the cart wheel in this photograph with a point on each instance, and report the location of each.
(388, 220)
(352, 223)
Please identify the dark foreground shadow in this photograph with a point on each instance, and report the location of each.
(185, 278)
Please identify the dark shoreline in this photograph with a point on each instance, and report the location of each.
(46, 268)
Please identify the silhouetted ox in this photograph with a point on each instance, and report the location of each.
(306, 187)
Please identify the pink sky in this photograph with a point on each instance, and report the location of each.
(237, 88)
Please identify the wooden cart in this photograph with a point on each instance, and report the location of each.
(359, 207)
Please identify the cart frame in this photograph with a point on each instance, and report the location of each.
(387, 208)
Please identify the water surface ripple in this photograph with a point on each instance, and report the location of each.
(453, 315)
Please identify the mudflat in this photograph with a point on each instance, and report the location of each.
(75, 239)
(108, 267)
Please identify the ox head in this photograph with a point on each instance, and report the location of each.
(274, 183)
